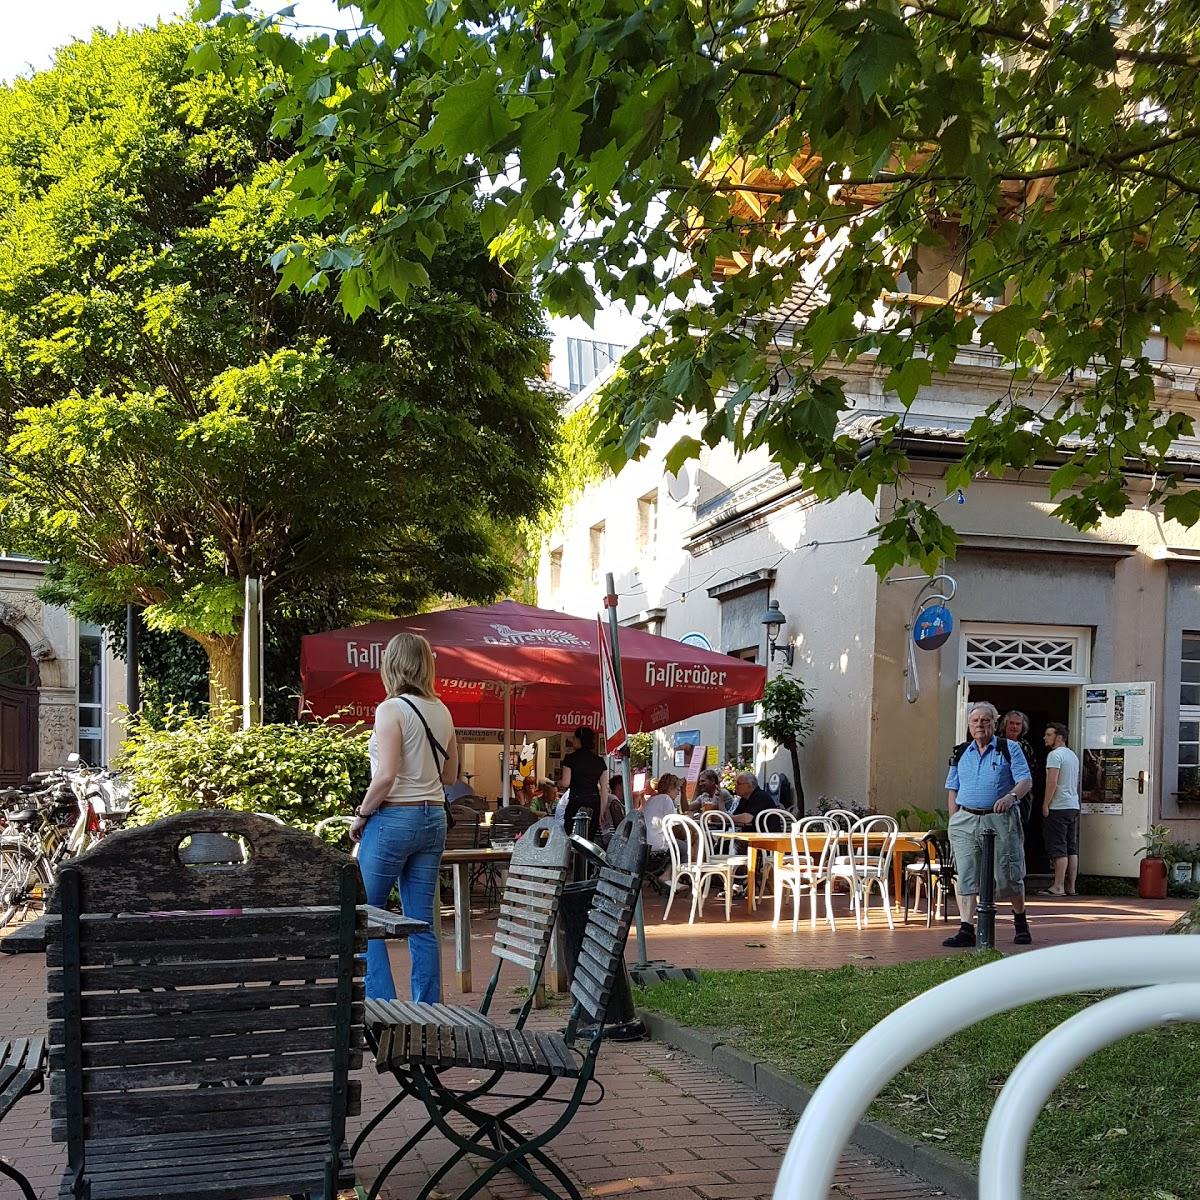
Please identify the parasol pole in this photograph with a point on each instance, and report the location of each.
(610, 603)
(506, 774)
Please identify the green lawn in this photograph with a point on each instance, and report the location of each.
(1125, 1126)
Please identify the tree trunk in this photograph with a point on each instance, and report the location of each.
(224, 670)
(1189, 922)
(796, 779)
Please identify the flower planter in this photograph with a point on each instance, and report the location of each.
(1152, 879)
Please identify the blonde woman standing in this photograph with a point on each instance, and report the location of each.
(401, 823)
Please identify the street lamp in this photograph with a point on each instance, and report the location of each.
(774, 620)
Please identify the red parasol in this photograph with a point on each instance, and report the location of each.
(544, 664)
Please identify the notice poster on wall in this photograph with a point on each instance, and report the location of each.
(1129, 716)
(1095, 733)
(1103, 782)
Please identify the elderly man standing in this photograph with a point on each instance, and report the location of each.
(988, 776)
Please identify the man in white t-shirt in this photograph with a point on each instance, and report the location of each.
(1060, 810)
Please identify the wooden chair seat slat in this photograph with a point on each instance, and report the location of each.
(152, 954)
(216, 1000)
(215, 1024)
(532, 885)
(496, 1050)
(22, 1065)
(181, 1050)
(201, 974)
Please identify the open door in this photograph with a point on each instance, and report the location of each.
(1116, 787)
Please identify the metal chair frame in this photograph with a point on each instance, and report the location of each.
(494, 1136)
(1163, 973)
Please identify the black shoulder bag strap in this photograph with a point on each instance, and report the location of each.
(436, 747)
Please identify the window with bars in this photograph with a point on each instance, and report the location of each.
(16, 667)
(1189, 714)
(1022, 654)
(648, 524)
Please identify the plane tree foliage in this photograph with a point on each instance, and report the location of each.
(174, 422)
(764, 176)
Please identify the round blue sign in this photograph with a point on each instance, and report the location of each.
(932, 627)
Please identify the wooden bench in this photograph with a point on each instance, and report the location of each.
(198, 1049)
(423, 1052)
(22, 1071)
(528, 911)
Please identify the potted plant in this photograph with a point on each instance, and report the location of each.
(1178, 857)
(1152, 875)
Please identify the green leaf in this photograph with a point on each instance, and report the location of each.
(683, 450)
(205, 58)
(471, 119)
(325, 126)
(546, 135)
(206, 10)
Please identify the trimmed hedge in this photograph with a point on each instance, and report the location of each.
(299, 773)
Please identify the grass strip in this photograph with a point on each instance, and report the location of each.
(1124, 1126)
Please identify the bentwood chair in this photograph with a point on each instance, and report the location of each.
(688, 848)
(805, 871)
(872, 842)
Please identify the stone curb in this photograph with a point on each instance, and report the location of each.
(935, 1166)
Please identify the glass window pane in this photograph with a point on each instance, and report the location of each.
(89, 670)
(1189, 777)
(1190, 670)
(1189, 731)
(1189, 693)
(1189, 754)
(1191, 647)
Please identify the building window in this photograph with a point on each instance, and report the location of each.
(596, 550)
(91, 694)
(1189, 714)
(556, 571)
(586, 359)
(648, 523)
(741, 723)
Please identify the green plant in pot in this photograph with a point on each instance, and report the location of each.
(1152, 875)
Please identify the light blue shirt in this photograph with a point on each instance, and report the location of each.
(981, 779)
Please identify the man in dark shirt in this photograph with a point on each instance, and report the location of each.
(748, 800)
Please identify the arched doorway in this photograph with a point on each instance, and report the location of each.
(18, 709)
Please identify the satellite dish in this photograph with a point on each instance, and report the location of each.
(679, 485)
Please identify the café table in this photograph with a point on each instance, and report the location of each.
(780, 844)
(460, 863)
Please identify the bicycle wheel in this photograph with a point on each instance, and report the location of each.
(25, 882)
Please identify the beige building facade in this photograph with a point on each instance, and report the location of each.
(61, 688)
(1100, 629)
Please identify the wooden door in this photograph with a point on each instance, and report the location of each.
(18, 735)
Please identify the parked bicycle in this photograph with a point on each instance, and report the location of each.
(55, 817)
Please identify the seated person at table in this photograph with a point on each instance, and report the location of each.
(748, 801)
(460, 789)
(545, 802)
(528, 793)
(664, 803)
(709, 793)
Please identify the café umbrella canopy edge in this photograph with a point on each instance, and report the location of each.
(510, 665)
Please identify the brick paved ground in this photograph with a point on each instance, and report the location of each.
(668, 1125)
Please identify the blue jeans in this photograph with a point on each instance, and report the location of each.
(403, 845)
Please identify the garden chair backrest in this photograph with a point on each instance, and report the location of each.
(802, 853)
(529, 905)
(714, 823)
(602, 953)
(463, 833)
(842, 818)
(686, 843)
(872, 841)
(773, 820)
(510, 820)
(163, 976)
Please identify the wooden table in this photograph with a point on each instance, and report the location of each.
(780, 844)
(31, 937)
(461, 862)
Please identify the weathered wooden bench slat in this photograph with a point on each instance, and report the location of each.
(224, 999)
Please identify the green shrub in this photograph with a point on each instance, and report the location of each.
(299, 773)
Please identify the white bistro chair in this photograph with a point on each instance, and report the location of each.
(770, 820)
(804, 871)
(1163, 978)
(688, 848)
(867, 866)
(718, 848)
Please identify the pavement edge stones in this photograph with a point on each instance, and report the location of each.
(936, 1167)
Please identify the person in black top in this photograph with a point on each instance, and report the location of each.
(749, 800)
(585, 773)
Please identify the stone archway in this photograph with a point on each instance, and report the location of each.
(19, 697)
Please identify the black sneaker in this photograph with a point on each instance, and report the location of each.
(963, 938)
(1022, 937)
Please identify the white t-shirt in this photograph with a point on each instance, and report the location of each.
(1066, 795)
(654, 810)
(419, 777)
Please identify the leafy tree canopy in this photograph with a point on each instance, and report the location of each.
(176, 422)
(764, 173)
